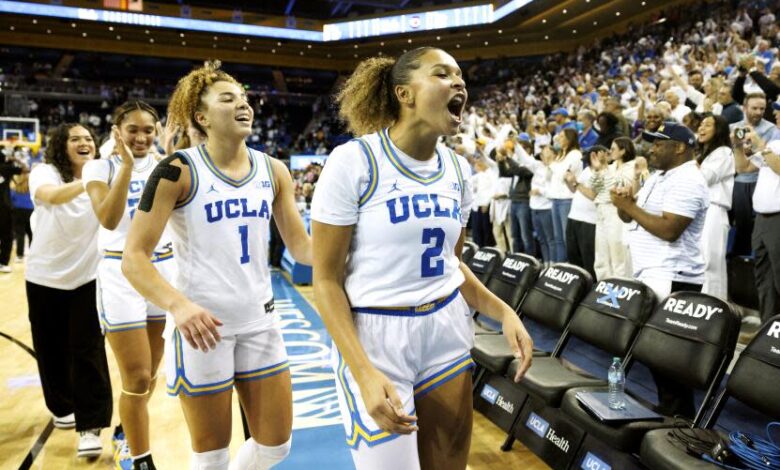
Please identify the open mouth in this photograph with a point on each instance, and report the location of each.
(84, 152)
(244, 118)
(455, 106)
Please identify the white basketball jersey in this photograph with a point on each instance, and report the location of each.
(403, 247)
(111, 243)
(220, 235)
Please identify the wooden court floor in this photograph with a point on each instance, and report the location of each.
(24, 419)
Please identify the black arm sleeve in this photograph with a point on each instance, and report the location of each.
(738, 90)
(163, 170)
(770, 89)
(509, 168)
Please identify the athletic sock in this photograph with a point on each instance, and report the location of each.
(144, 462)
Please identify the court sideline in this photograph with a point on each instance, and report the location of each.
(318, 437)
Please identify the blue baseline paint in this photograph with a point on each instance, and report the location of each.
(314, 387)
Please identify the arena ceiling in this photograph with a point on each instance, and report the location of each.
(541, 27)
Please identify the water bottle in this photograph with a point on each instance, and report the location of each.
(617, 385)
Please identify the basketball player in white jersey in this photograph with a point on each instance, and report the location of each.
(389, 216)
(217, 199)
(132, 325)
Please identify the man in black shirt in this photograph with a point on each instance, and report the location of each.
(9, 166)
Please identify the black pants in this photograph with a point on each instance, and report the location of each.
(71, 353)
(21, 223)
(6, 233)
(742, 217)
(581, 244)
(481, 228)
(766, 244)
(674, 398)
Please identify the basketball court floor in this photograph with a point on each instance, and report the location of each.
(29, 441)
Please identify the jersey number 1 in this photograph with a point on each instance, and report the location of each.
(429, 266)
(243, 230)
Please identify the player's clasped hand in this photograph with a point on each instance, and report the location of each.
(520, 341)
(198, 326)
(384, 405)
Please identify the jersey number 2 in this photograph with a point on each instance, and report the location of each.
(431, 267)
(243, 230)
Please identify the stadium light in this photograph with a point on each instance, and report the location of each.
(475, 15)
(156, 21)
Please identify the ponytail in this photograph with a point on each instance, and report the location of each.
(367, 101)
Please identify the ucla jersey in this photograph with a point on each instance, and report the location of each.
(403, 248)
(112, 242)
(220, 235)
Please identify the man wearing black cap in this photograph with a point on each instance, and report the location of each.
(667, 219)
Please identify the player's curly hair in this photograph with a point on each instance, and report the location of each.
(367, 101)
(56, 152)
(121, 111)
(186, 99)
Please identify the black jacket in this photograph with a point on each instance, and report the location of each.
(509, 168)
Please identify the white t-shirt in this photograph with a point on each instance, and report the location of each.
(558, 188)
(582, 208)
(766, 197)
(407, 215)
(683, 191)
(483, 184)
(63, 253)
(539, 182)
(718, 171)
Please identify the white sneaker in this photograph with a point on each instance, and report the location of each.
(5, 269)
(65, 422)
(19, 259)
(90, 445)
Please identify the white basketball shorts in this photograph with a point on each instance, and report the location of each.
(120, 306)
(418, 349)
(240, 357)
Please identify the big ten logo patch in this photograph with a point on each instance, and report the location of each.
(613, 294)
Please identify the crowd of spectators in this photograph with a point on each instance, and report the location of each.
(564, 153)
